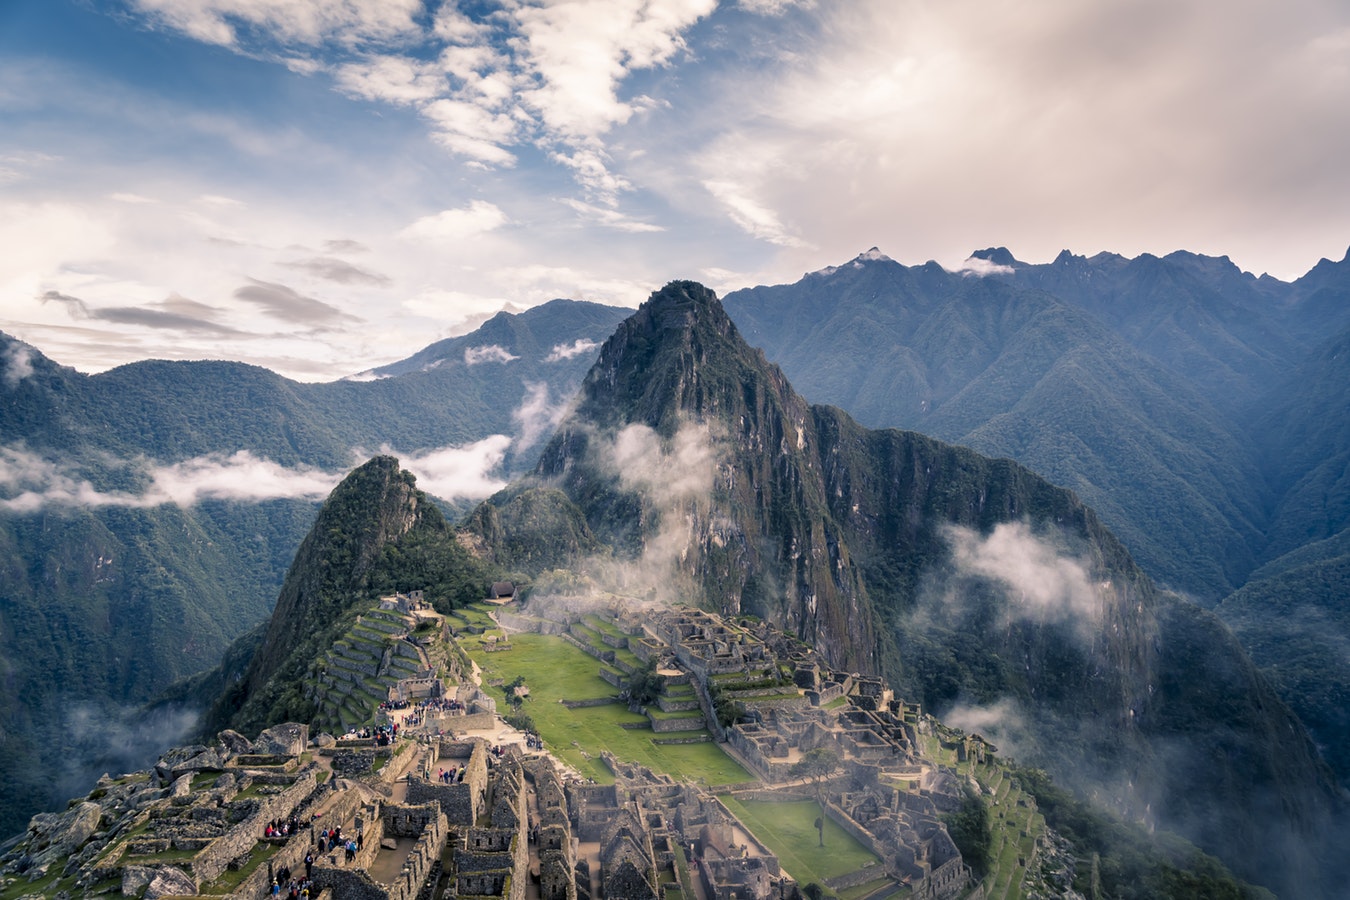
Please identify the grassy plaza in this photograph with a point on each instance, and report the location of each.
(555, 670)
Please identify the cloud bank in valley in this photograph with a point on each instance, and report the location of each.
(30, 482)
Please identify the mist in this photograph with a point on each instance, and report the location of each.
(30, 482)
(672, 478)
(113, 740)
(1039, 580)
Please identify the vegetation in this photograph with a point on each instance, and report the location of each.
(971, 831)
(1128, 862)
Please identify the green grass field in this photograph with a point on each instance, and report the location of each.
(555, 670)
(788, 829)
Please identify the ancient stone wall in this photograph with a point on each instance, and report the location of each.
(353, 763)
(684, 723)
(212, 860)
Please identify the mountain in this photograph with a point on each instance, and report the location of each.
(453, 392)
(975, 585)
(1014, 371)
(113, 586)
(376, 534)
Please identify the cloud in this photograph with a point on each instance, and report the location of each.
(18, 363)
(30, 482)
(174, 313)
(610, 218)
(536, 416)
(1003, 723)
(751, 215)
(344, 245)
(33, 482)
(287, 304)
(108, 738)
(674, 479)
(77, 307)
(468, 472)
(561, 352)
(979, 267)
(1040, 581)
(771, 7)
(393, 79)
(307, 22)
(542, 75)
(666, 473)
(451, 225)
(490, 353)
(339, 271)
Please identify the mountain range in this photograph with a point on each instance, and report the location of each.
(1197, 410)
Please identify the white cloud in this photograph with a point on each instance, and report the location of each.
(18, 364)
(477, 218)
(287, 21)
(666, 473)
(489, 353)
(1042, 583)
(561, 352)
(536, 415)
(751, 215)
(610, 218)
(579, 52)
(394, 79)
(460, 473)
(29, 482)
(34, 482)
(980, 267)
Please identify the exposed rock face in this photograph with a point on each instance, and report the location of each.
(59, 835)
(170, 882)
(288, 739)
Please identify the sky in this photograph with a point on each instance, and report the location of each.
(324, 186)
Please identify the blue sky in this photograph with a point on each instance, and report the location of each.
(322, 186)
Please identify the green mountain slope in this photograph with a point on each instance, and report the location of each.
(375, 534)
(1018, 373)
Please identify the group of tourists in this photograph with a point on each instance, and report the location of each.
(281, 828)
(283, 885)
(332, 840)
(451, 775)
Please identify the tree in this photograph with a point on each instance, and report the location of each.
(645, 685)
(514, 695)
(817, 765)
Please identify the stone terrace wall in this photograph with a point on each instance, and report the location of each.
(461, 803)
(208, 864)
(407, 756)
(352, 883)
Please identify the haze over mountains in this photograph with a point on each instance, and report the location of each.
(1199, 411)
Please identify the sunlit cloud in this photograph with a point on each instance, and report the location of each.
(456, 224)
(489, 353)
(469, 472)
(561, 352)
